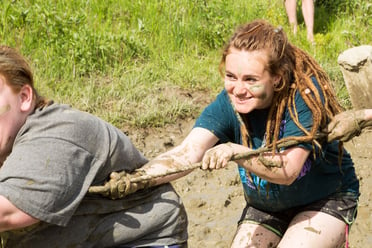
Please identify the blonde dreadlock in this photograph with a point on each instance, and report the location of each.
(295, 67)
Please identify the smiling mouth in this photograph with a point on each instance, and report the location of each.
(240, 99)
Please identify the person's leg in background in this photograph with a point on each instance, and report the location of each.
(308, 13)
(291, 9)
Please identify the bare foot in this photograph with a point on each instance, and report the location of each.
(294, 27)
(310, 38)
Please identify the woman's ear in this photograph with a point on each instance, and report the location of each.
(26, 95)
(276, 80)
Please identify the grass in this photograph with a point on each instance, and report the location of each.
(122, 59)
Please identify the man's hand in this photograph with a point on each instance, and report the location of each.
(120, 185)
(346, 125)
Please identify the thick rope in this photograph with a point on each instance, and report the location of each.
(143, 178)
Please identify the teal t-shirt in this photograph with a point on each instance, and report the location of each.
(320, 177)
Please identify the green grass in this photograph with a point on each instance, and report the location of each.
(121, 59)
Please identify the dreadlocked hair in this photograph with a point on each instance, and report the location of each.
(296, 69)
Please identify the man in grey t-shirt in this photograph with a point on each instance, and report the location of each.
(50, 154)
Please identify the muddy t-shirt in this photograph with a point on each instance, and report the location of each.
(57, 155)
(320, 176)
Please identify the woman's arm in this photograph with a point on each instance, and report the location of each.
(156, 172)
(13, 218)
(190, 151)
(289, 162)
(280, 168)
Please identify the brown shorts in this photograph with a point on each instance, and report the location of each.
(342, 206)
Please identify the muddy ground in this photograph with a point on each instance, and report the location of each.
(214, 200)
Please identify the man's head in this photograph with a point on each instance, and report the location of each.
(18, 98)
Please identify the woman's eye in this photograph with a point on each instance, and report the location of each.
(250, 79)
(230, 76)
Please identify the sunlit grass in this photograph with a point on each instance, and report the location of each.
(120, 59)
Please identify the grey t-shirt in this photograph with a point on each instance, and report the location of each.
(57, 155)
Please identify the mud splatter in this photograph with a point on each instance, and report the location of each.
(4, 109)
(312, 229)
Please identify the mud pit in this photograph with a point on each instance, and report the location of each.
(214, 200)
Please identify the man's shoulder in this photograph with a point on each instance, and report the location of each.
(62, 121)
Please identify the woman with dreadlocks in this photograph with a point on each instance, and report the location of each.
(303, 195)
(301, 192)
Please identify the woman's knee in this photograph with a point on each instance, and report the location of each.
(317, 228)
(254, 235)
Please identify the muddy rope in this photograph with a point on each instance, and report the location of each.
(105, 189)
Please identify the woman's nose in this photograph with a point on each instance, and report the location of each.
(240, 87)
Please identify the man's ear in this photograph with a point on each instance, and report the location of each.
(26, 96)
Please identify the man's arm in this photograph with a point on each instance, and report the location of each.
(13, 218)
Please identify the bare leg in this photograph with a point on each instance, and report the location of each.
(254, 236)
(314, 229)
(308, 13)
(291, 9)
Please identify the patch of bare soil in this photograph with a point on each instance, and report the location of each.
(214, 199)
(360, 149)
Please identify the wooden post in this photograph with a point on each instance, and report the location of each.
(356, 67)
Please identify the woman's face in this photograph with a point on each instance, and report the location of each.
(248, 83)
(14, 108)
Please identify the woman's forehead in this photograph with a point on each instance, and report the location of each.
(246, 60)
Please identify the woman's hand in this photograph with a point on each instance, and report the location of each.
(218, 156)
